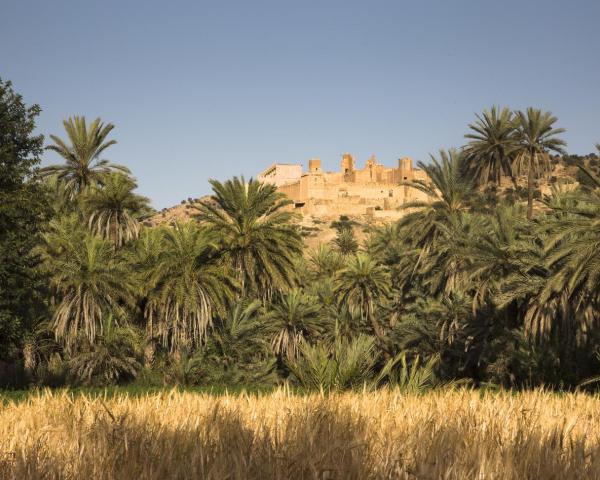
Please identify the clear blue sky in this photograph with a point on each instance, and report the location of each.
(202, 90)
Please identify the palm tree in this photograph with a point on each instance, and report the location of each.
(325, 262)
(383, 243)
(293, 318)
(494, 251)
(256, 233)
(536, 136)
(112, 358)
(188, 286)
(237, 351)
(346, 363)
(114, 210)
(490, 150)
(89, 280)
(574, 255)
(83, 166)
(345, 241)
(360, 284)
(449, 191)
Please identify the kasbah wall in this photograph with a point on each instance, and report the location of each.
(375, 191)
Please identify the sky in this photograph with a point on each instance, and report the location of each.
(200, 90)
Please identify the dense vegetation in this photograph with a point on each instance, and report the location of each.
(488, 283)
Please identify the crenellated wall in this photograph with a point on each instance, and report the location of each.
(375, 188)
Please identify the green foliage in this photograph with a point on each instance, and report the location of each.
(238, 351)
(325, 262)
(113, 357)
(462, 288)
(345, 242)
(490, 152)
(360, 284)
(256, 234)
(293, 318)
(83, 166)
(344, 364)
(343, 223)
(23, 212)
(536, 136)
(415, 377)
(89, 280)
(113, 209)
(188, 285)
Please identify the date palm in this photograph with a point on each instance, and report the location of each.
(238, 350)
(188, 286)
(83, 166)
(89, 280)
(325, 262)
(360, 285)
(293, 318)
(493, 252)
(491, 147)
(574, 254)
(256, 234)
(114, 210)
(449, 192)
(345, 242)
(536, 137)
(114, 357)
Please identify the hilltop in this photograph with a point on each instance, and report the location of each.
(316, 225)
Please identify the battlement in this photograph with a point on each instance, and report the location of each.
(349, 191)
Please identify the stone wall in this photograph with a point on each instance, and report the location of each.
(373, 190)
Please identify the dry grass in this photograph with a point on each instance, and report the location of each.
(445, 434)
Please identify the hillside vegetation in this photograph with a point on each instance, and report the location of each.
(494, 281)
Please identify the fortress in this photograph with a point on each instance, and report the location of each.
(375, 190)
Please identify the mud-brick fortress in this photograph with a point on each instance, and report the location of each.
(375, 190)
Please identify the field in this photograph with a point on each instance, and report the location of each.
(384, 434)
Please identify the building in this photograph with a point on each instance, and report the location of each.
(375, 190)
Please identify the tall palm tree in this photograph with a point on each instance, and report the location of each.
(491, 146)
(114, 209)
(574, 255)
(449, 192)
(536, 136)
(360, 284)
(90, 282)
(188, 287)
(83, 166)
(256, 233)
(293, 318)
(494, 251)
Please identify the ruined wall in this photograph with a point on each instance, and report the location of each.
(281, 174)
(373, 190)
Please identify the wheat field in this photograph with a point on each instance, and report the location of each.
(384, 434)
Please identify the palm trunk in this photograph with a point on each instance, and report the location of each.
(377, 329)
(29, 359)
(149, 352)
(530, 188)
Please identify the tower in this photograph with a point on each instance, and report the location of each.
(314, 165)
(347, 163)
(405, 169)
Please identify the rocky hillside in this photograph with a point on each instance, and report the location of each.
(317, 228)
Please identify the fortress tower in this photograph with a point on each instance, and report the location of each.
(314, 165)
(347, 163)
(374, 190)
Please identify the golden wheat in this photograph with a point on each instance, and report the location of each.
(385, 434)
